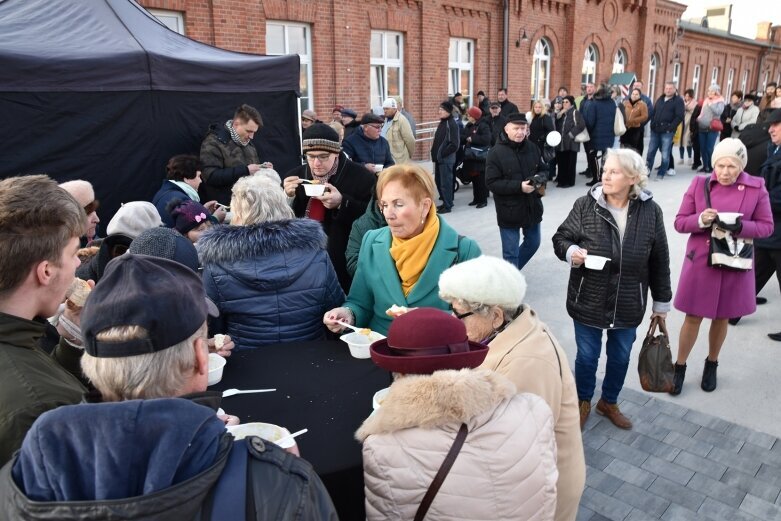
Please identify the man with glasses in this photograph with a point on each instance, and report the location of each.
(367, 146)
(348, 189)
(308, 118)
(84, 194)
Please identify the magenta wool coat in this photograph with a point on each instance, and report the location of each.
(713, 292)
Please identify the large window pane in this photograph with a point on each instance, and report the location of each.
(293, 38)
(376, 45)
(394, 81)
(387, 58)
(464, 88)
(275, 39)
(394, 46)
(453, 51)
(466, 52)
(296, 40)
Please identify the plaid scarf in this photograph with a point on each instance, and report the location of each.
(235, 135)
(314, 207)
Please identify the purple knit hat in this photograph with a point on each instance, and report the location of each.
(188, 215)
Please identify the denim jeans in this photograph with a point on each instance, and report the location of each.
(443, 176)
(515, 254)
(589, 343)
(707, 142)
(660, 141)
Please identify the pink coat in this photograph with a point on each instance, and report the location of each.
(713, 292)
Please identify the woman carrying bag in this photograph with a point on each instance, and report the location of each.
(476, 139)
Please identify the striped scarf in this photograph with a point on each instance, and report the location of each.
(235, 135)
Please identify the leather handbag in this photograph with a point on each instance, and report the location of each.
(655, 364)
(619, 127)
(716, 125)
(442, 473)
(475, 153)
(726, 251)
(583, 136)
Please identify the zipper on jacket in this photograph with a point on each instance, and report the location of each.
(620, 260)
(577, 295)
(642, 296)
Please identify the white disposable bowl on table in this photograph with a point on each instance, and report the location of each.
(267, 431)
(729, 217)
(216, 365)
(359, 343)
(379, 397)
(314, 190)
(596, 262)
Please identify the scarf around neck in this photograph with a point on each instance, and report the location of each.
(191, 192)
(235, 135)
(411, 255)
(314, 207)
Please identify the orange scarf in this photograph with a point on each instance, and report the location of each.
(411, 255)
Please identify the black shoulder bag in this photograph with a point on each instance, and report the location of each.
(725, 250)
(442, 473)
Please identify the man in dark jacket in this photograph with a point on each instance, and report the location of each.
(756, 138)
(35, 274)
(508, 107)
(443, 154)
(351, 124)
(164, 458)
(496, 121)
(510, 167)
(669, 111)
(228, 153)
(367, 147)
(349, 187)
(600, 115)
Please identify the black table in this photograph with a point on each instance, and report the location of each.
(320, 387)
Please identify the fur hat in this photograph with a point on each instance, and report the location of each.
(485, 280)
(733, 149)
(188, 214)
(321, 137)
(446, 106)
(133, 218)
(390, 103)
(475, 112)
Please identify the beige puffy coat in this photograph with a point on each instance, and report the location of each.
(506, 469)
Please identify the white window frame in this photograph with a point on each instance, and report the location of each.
(653, 69)
(459, 65)
(590, 58)
(744, 81)
(174, 20)
(696, 80)
(677, 75)
(543, 54)
(765, 80)
(714, 76)
(730, 80)
(383, 62)
(306, 102)
(619, 61)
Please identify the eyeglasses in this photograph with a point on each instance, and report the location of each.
(462, 316)
(319, 157)
(307, 119)
(377, 127)
(92, 207)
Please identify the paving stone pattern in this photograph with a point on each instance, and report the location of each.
(678, 464)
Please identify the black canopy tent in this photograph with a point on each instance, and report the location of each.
(102, 91)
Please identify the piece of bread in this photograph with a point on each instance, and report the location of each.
(78, 292)
(396, 311)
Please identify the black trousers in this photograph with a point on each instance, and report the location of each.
(479, 188)
(594, 164)
(567, 164)
(697, 161)
(766, 263)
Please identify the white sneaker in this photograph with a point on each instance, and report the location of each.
(671, 171)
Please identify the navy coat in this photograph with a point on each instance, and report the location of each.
(600, 114)
(167, 193)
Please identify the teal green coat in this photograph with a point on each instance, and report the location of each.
(377, 286)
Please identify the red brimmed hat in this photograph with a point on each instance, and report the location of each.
(427, 340)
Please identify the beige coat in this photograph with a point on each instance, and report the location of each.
(506, 469)
(530, 357)
(401, 139)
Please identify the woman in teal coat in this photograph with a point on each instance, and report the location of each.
(400, 264)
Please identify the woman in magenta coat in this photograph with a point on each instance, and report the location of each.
(711, 292)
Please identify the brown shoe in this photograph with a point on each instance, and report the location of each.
(585, 410)
(612, 413)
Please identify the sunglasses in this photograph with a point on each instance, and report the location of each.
(91, 207)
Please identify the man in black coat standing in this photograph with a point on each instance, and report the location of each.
(348, 189)
(510, 167)
(447, 140)
(508, 107)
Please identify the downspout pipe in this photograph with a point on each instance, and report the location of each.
(505, 40)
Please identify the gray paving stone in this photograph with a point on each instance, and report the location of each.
(678, 513)
(699, 464)
(678, 494)
(770, 474)
(601, 481)
(760, 508)
(717, 439)
(745, 463)
(594, 440)
(612, 432)
(639, 413)
(638, 515)
(642, 499)
(584, 514)
(765, 456)
(676, 424)
(624, 452)
(651, 430)
(717, 510)
(716, 489)
(669, 408)
(698, 447)
(604, 505)
(655, 448)
(599, 517)
(746, 483)
(598, 460)
(706, 420)
(637, 397)
(742, 433)
(630, 473)
(668, 470)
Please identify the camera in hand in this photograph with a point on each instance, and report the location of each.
(538, 181)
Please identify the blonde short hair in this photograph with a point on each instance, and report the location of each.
(257, 199)
(633, 166)
(412, 177)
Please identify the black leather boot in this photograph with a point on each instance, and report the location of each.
(680, 374)
(709, 376)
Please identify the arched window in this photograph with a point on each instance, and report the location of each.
(541, 69)
(619, 61)
(590, 63)
(652, 69)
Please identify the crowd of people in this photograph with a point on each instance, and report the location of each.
(228, 248)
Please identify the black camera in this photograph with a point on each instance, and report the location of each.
(539, 180)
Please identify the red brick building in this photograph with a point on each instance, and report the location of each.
(356, 52)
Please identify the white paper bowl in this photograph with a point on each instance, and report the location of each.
(267, 431)
(596, 262)
(379, 397)
(359, 343)
(216, 365)
(314, 190)
(729, 217)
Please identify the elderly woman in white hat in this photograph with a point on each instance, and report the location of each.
(487, 294)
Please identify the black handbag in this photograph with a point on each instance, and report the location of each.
(725, 250)
(475, 154)
(655, 363)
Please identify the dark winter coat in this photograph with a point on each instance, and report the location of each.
(756, 139)
(351, 127)
(447, 139)
(508, 107)
(224, 162)
(370, 220)
(497, 126)
(508, 165)
(110, 247)
(771, 172)
(667, 114)
(570, 124)
(356, 184)
(539, 128)
(617, 295)
(272, 282)
(113, 461)
(600, 114)
(167, 193)
(363, 150)
(480, 132)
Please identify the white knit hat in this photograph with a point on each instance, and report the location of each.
(484, 280)
(733, 149)
(133, 218)
(390, 103)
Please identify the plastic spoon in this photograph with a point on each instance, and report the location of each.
(362, 330)
(232, 392)
(291, 436)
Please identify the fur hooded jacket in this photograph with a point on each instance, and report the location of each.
(272, 282)
(506, 469)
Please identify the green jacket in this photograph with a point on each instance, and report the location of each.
(370, 220)
(31, 382)
(376, 285)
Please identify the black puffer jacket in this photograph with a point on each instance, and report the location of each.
(616, 296)
(508, 165)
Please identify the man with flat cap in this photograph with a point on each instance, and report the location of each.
(367, 146)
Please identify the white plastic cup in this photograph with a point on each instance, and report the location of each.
(359, 343)
(216, 366)
(596, 262)
(314, 190)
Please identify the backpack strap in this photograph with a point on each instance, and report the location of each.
(230, 492)
(442, 473)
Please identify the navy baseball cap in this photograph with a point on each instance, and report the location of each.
(162, 296)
